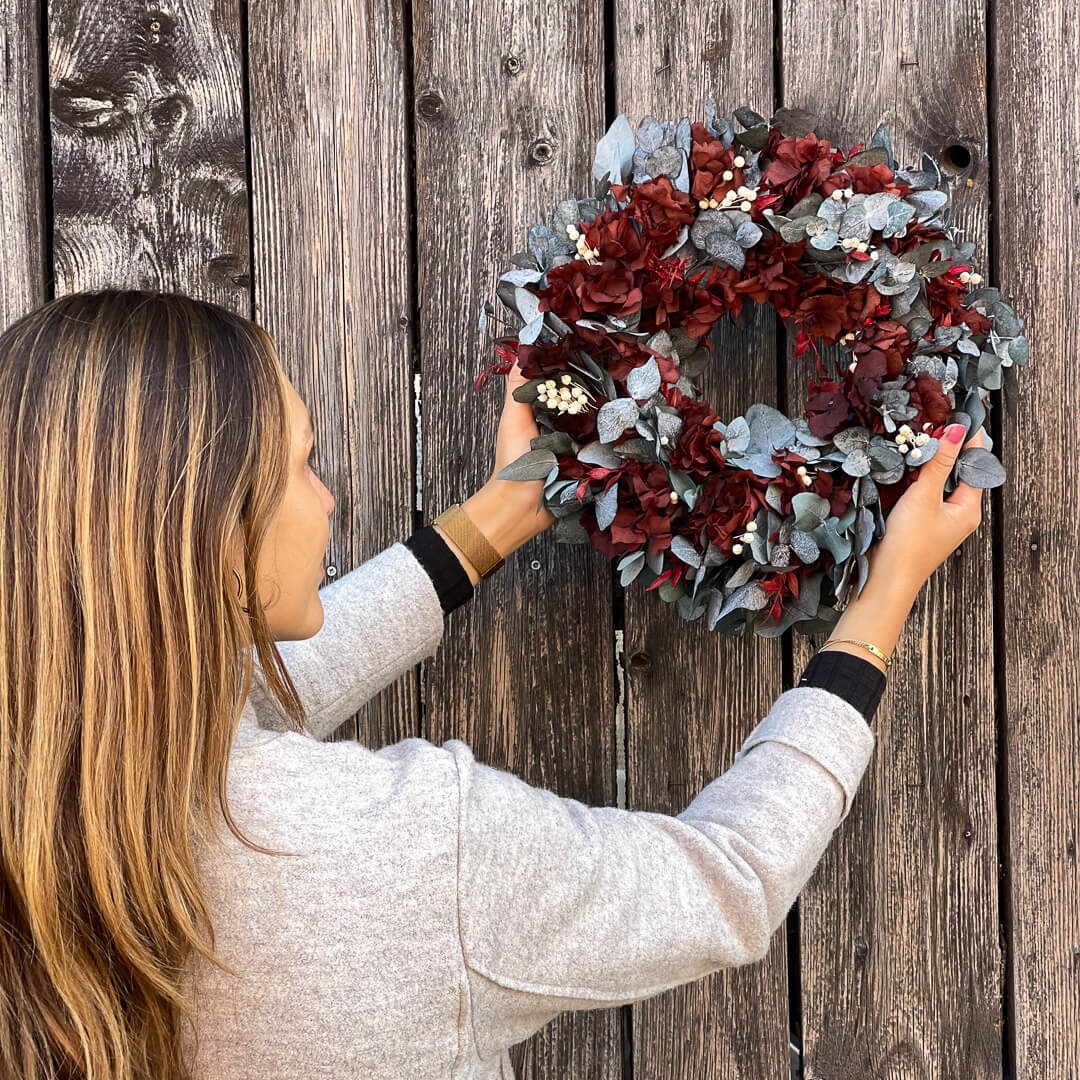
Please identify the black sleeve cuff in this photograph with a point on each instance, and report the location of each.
(449, 577)
(854, 679)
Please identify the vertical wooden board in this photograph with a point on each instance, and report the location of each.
(22, 206)
(508, 109)
(900, 935)
(1036, 57)
(148, 148)
(694, 695)
(332, 227)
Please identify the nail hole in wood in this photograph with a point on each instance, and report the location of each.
(542, 151)
(956, 157)
(430, 105)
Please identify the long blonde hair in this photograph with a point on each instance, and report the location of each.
(141, 434)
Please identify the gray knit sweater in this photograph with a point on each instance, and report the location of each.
(438, 910)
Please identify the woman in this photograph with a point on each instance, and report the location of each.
(167, 657)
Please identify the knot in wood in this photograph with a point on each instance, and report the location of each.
(166, 112)
(512, 65)
(640, 662)
(430, 105)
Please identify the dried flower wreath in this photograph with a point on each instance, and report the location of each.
(761, 521)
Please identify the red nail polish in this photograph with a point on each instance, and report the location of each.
(954, 433)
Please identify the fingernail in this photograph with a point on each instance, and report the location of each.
(954, 432)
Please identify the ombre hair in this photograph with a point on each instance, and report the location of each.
(143, 452)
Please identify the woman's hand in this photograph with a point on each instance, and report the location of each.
(505, 510)
(923, 528)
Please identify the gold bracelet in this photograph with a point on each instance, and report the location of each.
(857, 641)
(476, 546)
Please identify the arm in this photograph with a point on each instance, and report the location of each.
(379, 620)
(565, 906)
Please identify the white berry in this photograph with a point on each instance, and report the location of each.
(915, 454)
(736, 549)
(664, 440)
(728, 174)
(751, 526)
(674, 497)
(740, 161)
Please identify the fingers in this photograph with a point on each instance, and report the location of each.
(935, 472)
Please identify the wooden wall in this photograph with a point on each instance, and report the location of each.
(355, 176)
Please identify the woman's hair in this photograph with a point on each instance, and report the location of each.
(144, 444)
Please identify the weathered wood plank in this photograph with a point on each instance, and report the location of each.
(1035, 60)
(330, 187)
(693, 695)
(22, 198)
(900, 953)
(148, 148)
(525, 673)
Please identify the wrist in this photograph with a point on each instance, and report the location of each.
(498, 515)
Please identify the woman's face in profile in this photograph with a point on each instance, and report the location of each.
(291, 567)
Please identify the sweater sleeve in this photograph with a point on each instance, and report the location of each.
(567, 906)
(853, 678)
(380, 619)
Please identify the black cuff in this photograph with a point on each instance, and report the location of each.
(449, 577)
(856, 680)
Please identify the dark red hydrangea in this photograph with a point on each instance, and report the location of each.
(697, 448)
(726, 504)
(709, 160)
(582, 290)
(616, 235)
(798, 166)
(827, 408)
(644, 513)
(659, 208)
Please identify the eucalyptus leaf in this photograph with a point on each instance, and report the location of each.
(976, 466)
(614, 417)
(532, 465)
(606, 506)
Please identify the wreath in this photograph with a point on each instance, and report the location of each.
(761, 521)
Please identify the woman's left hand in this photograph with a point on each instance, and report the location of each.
(505, 510)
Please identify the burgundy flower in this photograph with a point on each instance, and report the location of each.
(644, 511)
(798, 166)
(581, 290)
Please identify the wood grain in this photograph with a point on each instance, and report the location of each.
(692, 695)
(148, 148)
(900, 954)
(331, 178)
(1035, 59)
(525, 673)
(22, 196)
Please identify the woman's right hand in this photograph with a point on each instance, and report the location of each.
(923, 527)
